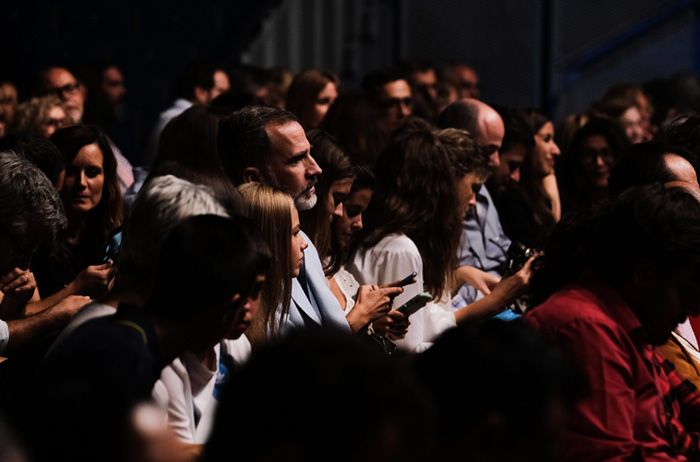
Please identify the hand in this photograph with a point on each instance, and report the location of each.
(514, 286)
(393, 326)
(481, 280)
(93, 280)
(69, 306)
(17, 287)
(373, 301)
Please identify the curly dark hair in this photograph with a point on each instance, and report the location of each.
(416, 196)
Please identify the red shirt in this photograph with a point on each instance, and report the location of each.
(633, 410)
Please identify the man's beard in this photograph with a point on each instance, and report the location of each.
(305, 202)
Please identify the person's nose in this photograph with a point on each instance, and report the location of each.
(357, 224)
(303, 243)
(405, 110)
(338, 211)
(312, 168)
(599, 161)
(555, 149)
(82, 180)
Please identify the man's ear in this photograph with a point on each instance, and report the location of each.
(251, 174)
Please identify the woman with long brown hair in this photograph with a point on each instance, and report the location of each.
(413, 224)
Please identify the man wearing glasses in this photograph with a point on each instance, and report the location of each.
(61, 82)
(393, 94)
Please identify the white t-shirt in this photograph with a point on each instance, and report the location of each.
(392, 259)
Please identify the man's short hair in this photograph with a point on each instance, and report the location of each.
(374, 81)
(462, 115)
(243, 140)
(682, 131)
(197, 74)
(642, 164)
(28, 202)
(37, 150)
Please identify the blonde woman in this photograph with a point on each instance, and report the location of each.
(41, 116)
(275, 216)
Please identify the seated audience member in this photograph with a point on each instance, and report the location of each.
(199, 83)
(342, 400)
(30, 215)
(409, 230)
(89, 384)
(615, 283)
(530, 206)
(84, 262)
(40, 152)
(645, 164)
(585, 172)
(483, 244)
(517, 408)
(630, 91)
(391, 93)
(61, 82)
(624, 111)
(187, 149)
(274, 216)
(421, 75)
(310, 95)
(352, 120)
(268, 145)
(40, 116)
(364, 304)
(464, 78)
(684, 132)
(161, 204)
(8, 101)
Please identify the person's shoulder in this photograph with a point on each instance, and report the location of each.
(397, 243)
(573, 305)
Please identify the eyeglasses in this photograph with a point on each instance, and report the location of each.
(58, 123)
(397, 102)
(589, 157)
(67, 89)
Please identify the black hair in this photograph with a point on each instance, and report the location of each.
(683, 132)
(642, 164)
(196, 74)
(373, 81)
(364, 178)
(243, 140)
(657, 224)
(205, 259)
(37, 150)
(513, 362)
(284, 404)
(517, 130)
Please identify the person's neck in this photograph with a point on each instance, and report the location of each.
(76, 225)
(170, 335)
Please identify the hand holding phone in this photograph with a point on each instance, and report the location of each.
(415, 304)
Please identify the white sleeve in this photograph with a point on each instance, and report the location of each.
(4, 335)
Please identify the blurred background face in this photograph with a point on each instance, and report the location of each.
(509, 165)
(597, 160)
(113, 85)
(546, 150)
(8, 101)
(323, 102)
(631, 121)
(397, 102)
(55, 119)
(351, 221)
(84, 180)
(63, 84)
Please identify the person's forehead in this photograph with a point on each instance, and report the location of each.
(491, 129)
(680, 168)
(59, 76)
(287, 139)
(426, 76)
(397, 89)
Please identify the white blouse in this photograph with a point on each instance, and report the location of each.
(392, 259)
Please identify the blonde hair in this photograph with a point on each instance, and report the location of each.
(270, 210)
(31, 115)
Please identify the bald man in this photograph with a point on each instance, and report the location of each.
(484, 244)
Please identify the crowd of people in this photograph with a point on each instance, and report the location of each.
(295, 270)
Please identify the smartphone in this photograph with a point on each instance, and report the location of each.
(405, 281)
(415, 304)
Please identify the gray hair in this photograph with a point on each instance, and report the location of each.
(162, 203)
(29, 203)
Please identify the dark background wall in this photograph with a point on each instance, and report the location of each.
(555, 54)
